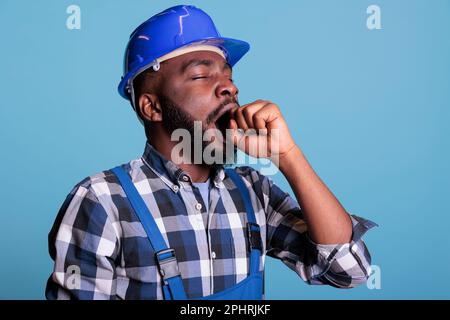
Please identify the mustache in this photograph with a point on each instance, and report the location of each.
(219, 108)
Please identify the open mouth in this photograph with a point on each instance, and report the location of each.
(223, 118)
(222, 123)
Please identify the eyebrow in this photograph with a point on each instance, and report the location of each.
(202, 62)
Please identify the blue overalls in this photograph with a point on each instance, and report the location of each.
(251, 288)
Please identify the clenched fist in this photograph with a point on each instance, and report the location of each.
(259, 129)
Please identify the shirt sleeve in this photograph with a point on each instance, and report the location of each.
(339, 265)
(84, 247)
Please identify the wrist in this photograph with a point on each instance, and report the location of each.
(288, 158)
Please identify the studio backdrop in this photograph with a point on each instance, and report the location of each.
(364, 86)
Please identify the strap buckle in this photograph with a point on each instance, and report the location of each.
(254, 236)
(167, 264)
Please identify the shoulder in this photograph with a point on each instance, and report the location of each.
(104, 183)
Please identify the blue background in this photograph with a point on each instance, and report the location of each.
(369, 108)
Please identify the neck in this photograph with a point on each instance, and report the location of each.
(164, 145)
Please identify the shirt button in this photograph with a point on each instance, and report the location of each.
(198, 206)
(185, 178)
(213, 255)
(175, 188)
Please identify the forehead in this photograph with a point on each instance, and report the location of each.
(185, 61)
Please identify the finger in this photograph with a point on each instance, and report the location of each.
(240, 119)
(259, 122)
(248, 111)
(269, 112)
(234, 134)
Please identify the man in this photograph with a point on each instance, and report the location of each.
(171, 226)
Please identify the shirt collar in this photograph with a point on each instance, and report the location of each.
(171, 173)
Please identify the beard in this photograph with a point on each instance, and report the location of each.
(176, 118)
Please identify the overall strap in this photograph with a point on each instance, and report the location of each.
(165, 257)
(253, 229)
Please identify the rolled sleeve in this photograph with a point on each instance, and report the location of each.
(345, 265)
(340, 265)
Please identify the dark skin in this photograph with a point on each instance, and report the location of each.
(198, 90)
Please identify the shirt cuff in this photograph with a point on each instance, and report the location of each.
(326, 253)
(359, 227)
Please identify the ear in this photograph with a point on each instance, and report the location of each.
(150, 107)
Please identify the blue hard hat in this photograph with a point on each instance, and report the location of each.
(168, 30)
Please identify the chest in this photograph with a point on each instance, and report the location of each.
(208, 240)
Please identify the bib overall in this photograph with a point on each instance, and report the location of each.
(251, 288)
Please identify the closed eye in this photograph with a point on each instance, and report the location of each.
(204, 77)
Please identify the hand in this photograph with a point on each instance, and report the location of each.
(259, 129)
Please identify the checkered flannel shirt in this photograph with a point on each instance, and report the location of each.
(101, 251)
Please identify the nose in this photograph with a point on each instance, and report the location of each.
(226, 87)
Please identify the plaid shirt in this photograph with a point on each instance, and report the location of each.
(97, 233)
